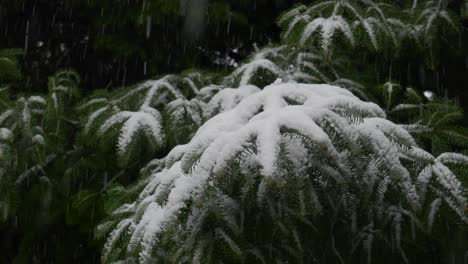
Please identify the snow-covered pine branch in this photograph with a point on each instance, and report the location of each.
(261, 69)
(322, 23)
(432, 120)
(289, 156)
(372, 24)
(289, 64)
(140, 112)
(24, 116)
(228, 98)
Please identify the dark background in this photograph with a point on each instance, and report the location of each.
(107, 43)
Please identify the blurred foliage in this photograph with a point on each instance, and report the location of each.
(9, 66)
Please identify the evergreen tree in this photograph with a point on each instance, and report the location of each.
(276, 178)
(299, 154)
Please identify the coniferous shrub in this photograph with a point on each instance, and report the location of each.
(297, 173)
(258, 166)
(292, 173)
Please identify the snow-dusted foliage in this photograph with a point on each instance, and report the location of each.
(31, 128)
(23, 114)
(167, 111)
(228, 98)
(424, 23)
(140, 112)
(329, 19)
(288, 64)
(29, 115)
(261, 69)
(366, 23)
(433, 120)
(278, 175)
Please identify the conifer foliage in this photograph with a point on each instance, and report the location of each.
(296, 156)
(289, 172)
(34, 129)
(372, 24)
(435, 121)
(285, 157)
(139, 117)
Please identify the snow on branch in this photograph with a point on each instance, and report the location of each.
(321, 131)
(136, 112)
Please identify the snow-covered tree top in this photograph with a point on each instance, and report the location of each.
(319, 130)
